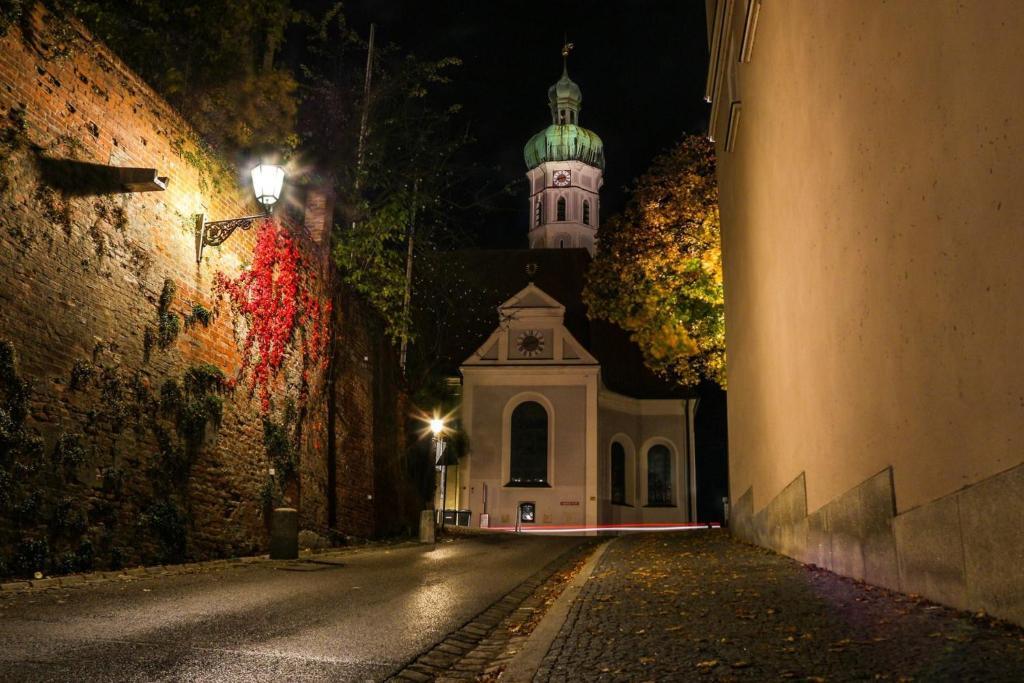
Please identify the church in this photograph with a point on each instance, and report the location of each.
(565, 425)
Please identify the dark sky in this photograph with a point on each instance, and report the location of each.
(640, 63)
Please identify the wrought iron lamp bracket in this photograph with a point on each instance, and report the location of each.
(214, 234)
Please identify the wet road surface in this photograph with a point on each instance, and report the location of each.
(358, 619)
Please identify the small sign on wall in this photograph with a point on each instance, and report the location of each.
(527, 513)
(569, 502)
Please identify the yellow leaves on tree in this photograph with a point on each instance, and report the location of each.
(658, 269)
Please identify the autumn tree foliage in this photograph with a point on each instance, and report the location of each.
(658, 269)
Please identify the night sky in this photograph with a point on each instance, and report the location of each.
(641, 65)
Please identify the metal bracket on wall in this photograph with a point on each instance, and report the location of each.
(213, 234)
(81, 178)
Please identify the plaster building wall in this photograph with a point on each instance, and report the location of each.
(629, 422)
(486, 422)
(81, 275)
(870, 169)
(546, 230)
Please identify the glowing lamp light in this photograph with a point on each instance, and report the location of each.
(436, 426)
(267, 180)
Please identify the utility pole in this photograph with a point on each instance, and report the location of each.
(367, 82)
(408, 276)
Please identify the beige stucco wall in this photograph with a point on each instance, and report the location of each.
(872, 216)
(567, 422)
(638, 432)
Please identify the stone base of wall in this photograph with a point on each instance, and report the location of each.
(965, 549)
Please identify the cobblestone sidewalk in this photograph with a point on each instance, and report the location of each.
(702, 606)
(480, 649)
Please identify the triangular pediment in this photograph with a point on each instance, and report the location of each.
(531, 331)
(535, 298)
(489, 351)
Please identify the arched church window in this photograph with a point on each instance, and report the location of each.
(618, 474)
(561, 208)
(528, 463)
(538, 212)
(586, 212)
(659, 475)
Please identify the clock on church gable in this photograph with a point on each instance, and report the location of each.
(531, 344)
(562, 178)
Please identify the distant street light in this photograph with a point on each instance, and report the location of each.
(437, 428)
(267, 181)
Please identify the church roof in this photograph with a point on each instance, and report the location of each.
(564, 142)
(565, 92)
(564, 139)
(496, 275)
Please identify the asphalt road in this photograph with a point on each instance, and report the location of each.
(359, 619)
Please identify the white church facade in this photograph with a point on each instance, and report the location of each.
(545, 433)
(565, 426)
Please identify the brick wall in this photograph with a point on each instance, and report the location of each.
(81, 275)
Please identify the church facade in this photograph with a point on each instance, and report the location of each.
(565, 426)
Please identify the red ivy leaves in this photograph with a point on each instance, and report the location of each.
(276, 299)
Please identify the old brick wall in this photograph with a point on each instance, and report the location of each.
(81, 277)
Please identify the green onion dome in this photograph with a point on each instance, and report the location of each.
(564, 139)
(564, 142)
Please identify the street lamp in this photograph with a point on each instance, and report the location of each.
(267, 181)
(437, 428)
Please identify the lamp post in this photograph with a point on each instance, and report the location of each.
(437, 428)
(267, 181)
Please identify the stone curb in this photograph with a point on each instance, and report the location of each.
(124, 575)
(475, 648)
(135, 573)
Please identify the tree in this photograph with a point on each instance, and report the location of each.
(658, 269)
(216, 62)
(403, 180)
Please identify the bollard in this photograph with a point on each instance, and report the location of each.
(284, 534)
(427, 526)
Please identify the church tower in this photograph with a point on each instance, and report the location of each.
(565, 165)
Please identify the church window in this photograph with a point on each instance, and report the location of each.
(528, 464)
(659, 475)
(586, 212)
(618, 474)
(538, 212)
(560, 208)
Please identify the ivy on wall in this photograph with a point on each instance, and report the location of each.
(41, 534)
(281, 310)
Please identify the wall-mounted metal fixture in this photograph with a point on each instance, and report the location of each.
(267, 181)
(83, 178)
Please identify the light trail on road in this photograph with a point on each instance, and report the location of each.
(562, 529)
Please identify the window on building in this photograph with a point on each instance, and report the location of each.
(586, 212)
(659, 475)
(561, 208)
(538, 212)
(528, 465)
(618, 474)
